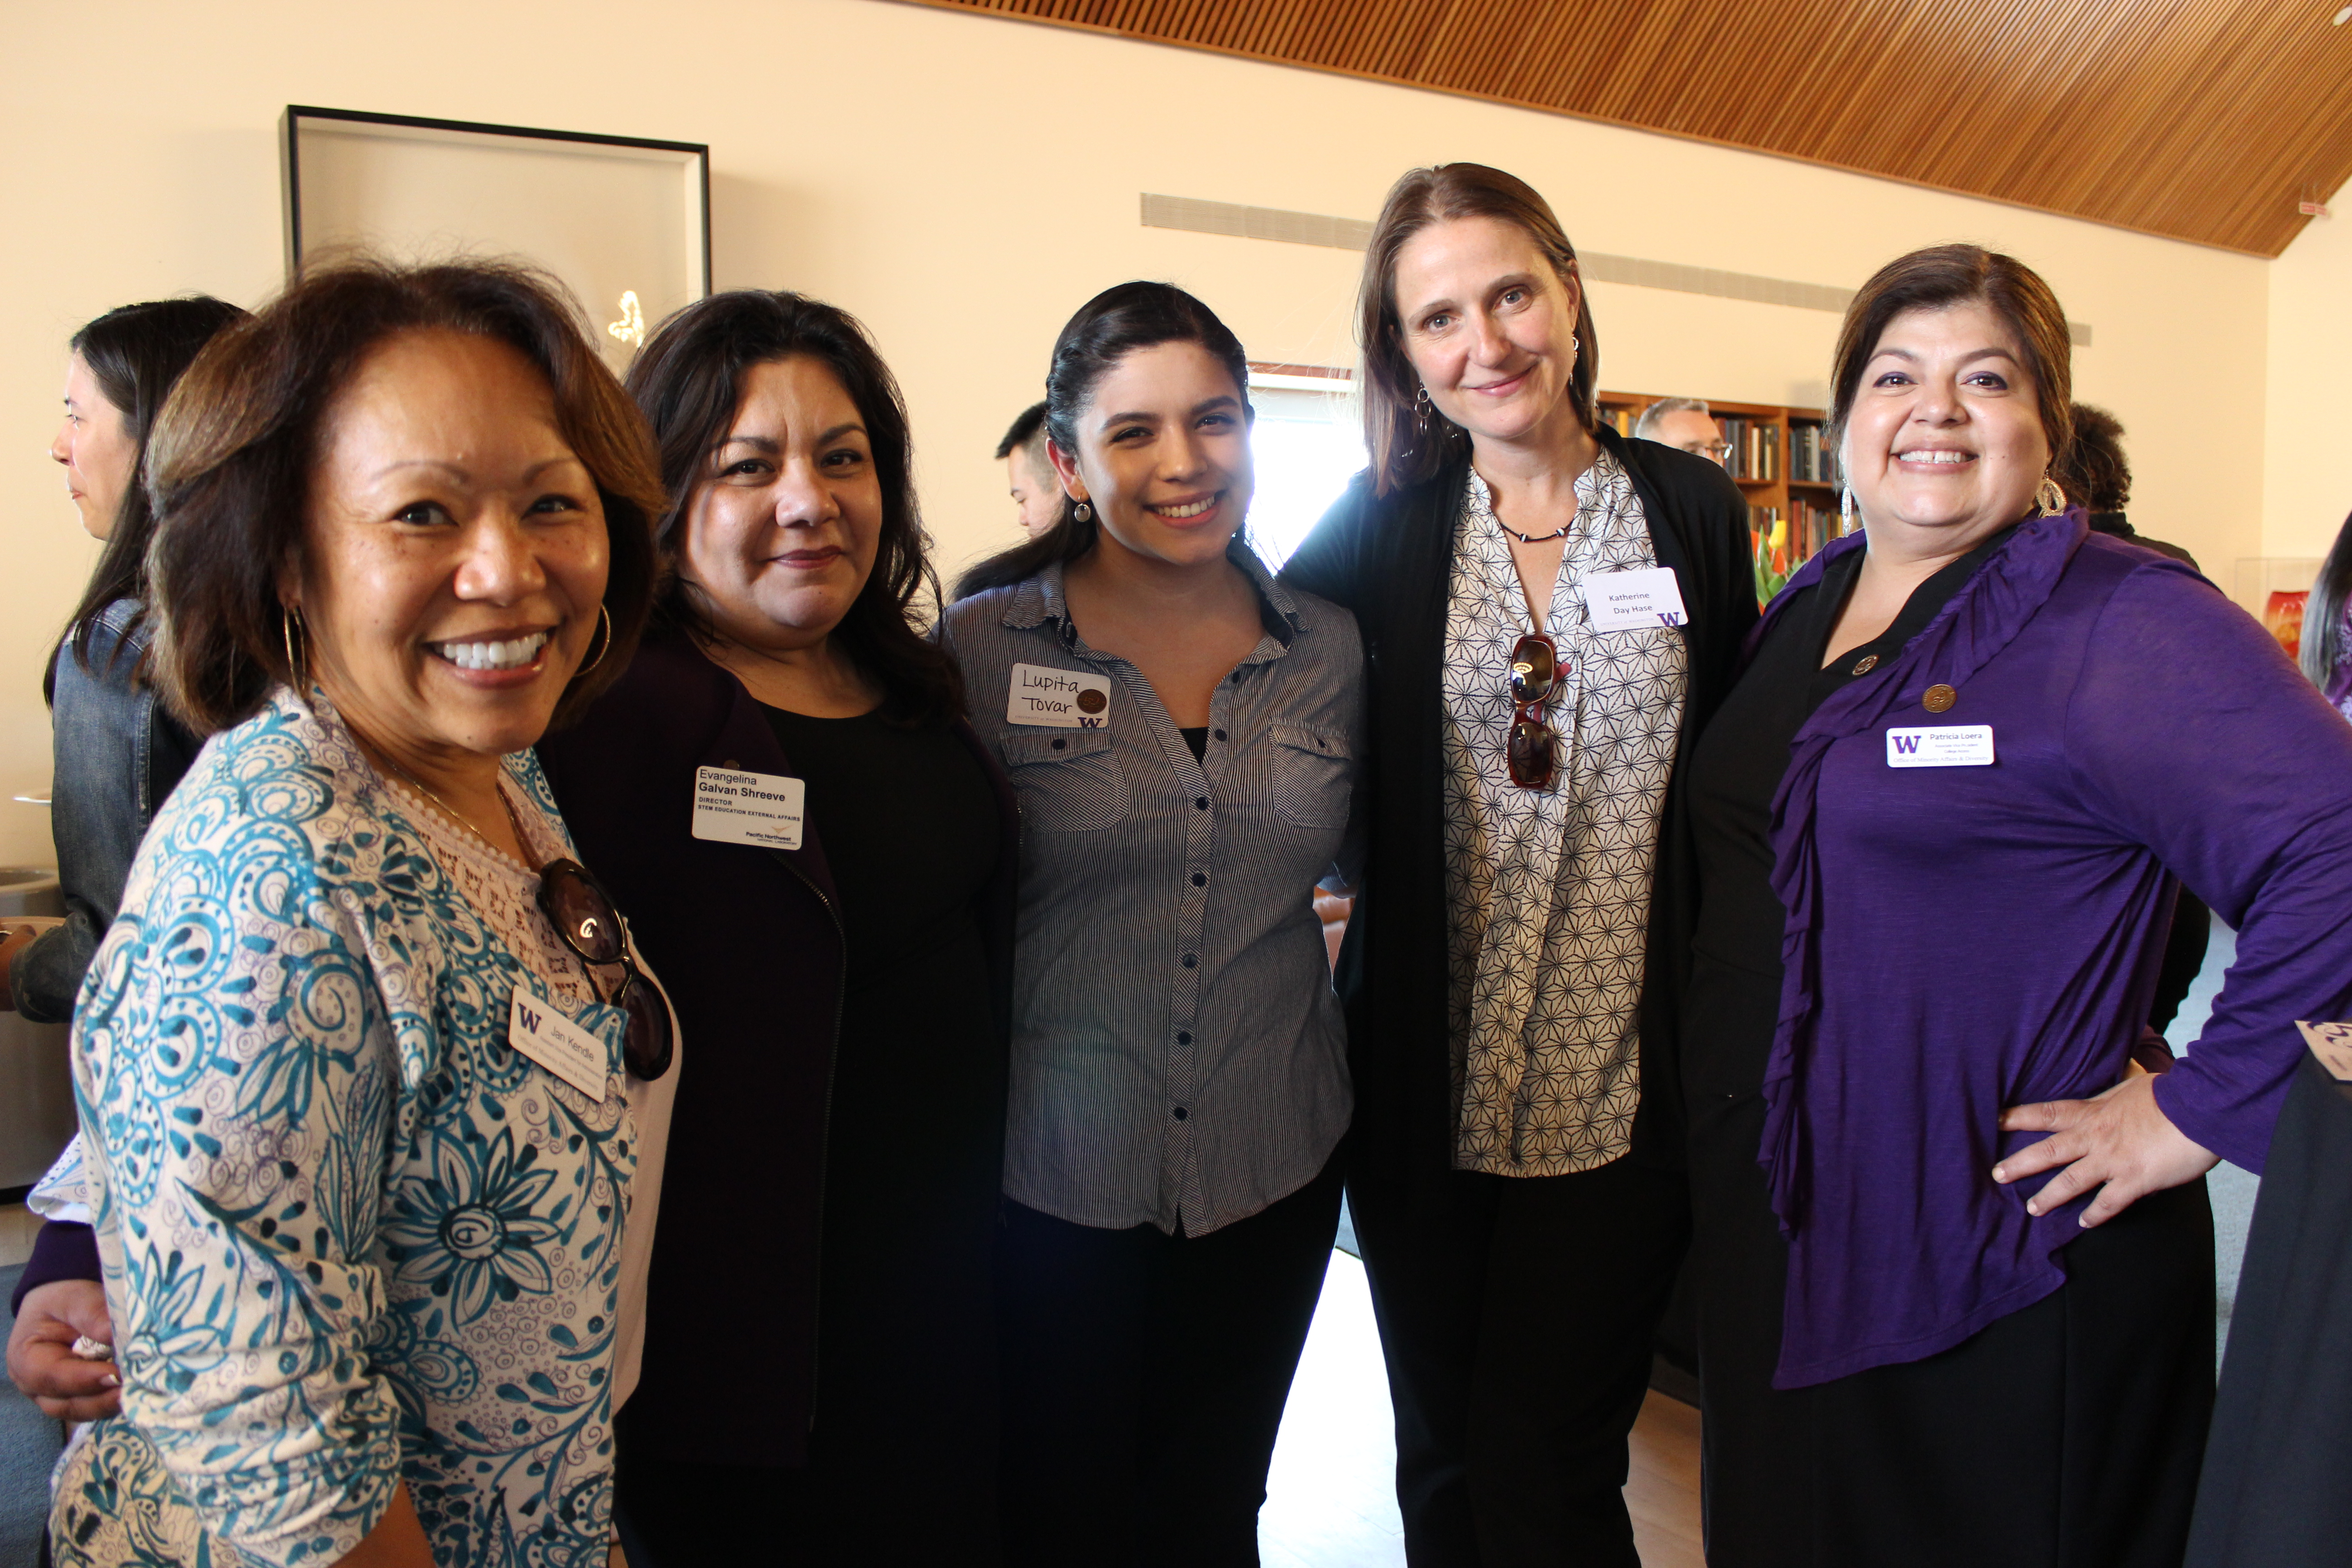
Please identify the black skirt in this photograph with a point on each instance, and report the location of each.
(2067, 1434)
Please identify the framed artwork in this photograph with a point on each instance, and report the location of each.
(623, 221)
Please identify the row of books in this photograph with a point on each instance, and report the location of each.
(1755, 447)
(1810, 457)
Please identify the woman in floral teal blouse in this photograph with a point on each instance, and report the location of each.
(364, 1062)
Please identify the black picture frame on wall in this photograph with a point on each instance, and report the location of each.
(620, 219)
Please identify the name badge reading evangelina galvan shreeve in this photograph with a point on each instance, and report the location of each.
(768, 810)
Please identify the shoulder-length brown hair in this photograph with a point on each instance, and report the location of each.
(230, 464)
(1944, 275)
(1404, 450)
(688, 380)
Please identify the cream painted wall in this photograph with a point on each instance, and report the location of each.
(964, 183)
(2307, 470)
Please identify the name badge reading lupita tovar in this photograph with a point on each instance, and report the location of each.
(558, 1044)
(1944, 746)
(1058, 699)
(762, 809)
(1630, 601)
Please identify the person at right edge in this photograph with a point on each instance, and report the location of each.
(1953, 1253)
(1550, 615)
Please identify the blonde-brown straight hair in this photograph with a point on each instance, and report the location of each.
(1405, 451)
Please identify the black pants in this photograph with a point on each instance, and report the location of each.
(1516, 1317)
(1144, 1381)
(2066, 1434)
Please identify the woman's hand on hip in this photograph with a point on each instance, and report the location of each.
(41, 1362)
(2120, 1143)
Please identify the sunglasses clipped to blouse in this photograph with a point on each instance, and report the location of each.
(582, 912)
(1533, 750)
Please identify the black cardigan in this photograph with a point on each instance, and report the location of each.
(1390, 559)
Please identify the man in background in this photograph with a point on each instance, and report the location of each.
(1683, 422)
(1036, 492)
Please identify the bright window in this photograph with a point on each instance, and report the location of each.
(1308, 442)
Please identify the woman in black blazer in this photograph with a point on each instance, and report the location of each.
(1550, 614)
(819, 854)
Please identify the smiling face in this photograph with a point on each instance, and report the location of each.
(1944, 445)
(96, 449)
(1163, 455)
(782, 536)
(454, 558)
(1487, 324)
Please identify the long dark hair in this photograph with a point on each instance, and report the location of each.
(2323, 652)
(1106, 329)
(1406, 448)
(233, 459)
(136, 354)
(688, 380)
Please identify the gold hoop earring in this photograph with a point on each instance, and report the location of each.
(603, 624)
(290, 621)
(2050, 497)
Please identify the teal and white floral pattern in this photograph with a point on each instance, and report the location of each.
(350, 1237)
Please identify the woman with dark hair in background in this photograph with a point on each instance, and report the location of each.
(1182, 733)
(1954, 1261)
(1552, 613)
(2326, 649)
(118, 752)
(819, 853)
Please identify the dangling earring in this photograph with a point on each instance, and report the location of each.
(603, 624)
(289, 623)
(1846, 512)
(1084, 512)
(2050, 497)
(1421, 405)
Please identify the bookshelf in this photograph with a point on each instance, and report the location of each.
(1781, 462)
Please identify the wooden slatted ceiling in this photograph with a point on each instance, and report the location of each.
(2199, 119)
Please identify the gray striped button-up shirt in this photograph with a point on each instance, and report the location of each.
(1179, 1058)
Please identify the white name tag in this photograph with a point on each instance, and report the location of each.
(558, 1044)
(1629, 601)
(1058, 699)
(1945, 746)
(2332, 1044)
(764, 809)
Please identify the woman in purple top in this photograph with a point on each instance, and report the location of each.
(1952, 1248)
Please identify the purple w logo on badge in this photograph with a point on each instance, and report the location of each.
(529, 1019)
(1906, 745)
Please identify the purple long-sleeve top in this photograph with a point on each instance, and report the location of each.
(1964, 939)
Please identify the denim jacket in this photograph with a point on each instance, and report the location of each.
(119, 755)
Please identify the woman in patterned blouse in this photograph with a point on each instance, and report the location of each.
(1551, 613)
(360, 1141)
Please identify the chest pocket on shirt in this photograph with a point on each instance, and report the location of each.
(1312, 772)
(1070, 781)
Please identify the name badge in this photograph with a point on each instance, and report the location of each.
(2332, 1044)
(1945, 746)
(762, 809)
(1629, 601)
(1058, 699)
(558, 1044)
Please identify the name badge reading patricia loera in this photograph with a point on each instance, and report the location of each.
(1630, 601)
(1058, 699)
(1944, 746)
(558, 1044)
(762, 809)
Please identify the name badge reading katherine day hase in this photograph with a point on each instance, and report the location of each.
(1942, 746)
(1058, 699)
(1629, 601)
(764, 809)
(557, 1044)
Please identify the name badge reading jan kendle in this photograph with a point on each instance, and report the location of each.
(1941, 746)
(1058, 699)
(764, 809)
(1630, 601)
(557, 1044)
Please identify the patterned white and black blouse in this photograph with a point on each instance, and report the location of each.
(1547, 892)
